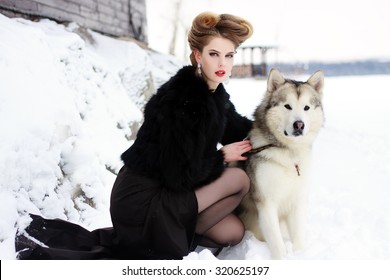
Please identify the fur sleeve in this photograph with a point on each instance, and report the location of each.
(237, 126)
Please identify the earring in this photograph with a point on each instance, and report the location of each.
(227, 80)
(199, 70)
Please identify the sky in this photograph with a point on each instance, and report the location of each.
(302, 30)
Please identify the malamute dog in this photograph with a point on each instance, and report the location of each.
(285, 125)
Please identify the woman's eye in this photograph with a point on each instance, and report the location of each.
(288, 107)
(307, 108)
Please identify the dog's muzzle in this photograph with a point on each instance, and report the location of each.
(298, 128)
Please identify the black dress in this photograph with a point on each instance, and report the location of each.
(153, 205)
(150, 222)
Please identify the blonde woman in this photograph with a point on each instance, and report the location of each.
(174, 191)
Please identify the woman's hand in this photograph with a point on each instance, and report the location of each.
(234, 151)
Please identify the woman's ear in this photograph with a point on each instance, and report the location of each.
(197, 55)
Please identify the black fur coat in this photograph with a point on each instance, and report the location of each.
(183, 123)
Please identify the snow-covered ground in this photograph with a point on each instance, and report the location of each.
(66, 105)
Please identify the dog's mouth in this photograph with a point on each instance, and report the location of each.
(295, 133)
(298, 133)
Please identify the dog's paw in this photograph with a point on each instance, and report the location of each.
(298, 245)
(278, 254)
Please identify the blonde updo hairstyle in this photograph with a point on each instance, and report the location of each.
(208, 25)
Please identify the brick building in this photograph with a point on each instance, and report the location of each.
(112, 17)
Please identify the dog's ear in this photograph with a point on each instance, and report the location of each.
(317, 81)
(275, 80)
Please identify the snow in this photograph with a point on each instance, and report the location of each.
(67, 102)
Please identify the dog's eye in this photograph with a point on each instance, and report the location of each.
(307, 108)
(288, 107)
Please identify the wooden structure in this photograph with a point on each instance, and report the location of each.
(118, 18)
(255, 67)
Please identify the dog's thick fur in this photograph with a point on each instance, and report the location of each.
(286, 123)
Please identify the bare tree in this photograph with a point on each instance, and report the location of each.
(176, 22)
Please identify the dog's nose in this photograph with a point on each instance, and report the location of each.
(298, 128)
(299, 125)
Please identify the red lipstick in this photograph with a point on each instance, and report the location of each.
(220, 73)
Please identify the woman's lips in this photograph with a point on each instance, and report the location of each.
(220, 73)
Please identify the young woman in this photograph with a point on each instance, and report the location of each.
(174, 191)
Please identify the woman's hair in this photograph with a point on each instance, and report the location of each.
(208, 25)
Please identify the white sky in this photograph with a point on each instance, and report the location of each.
(303, 30)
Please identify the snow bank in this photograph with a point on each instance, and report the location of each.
(70, 101)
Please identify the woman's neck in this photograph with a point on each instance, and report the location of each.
(212, 86)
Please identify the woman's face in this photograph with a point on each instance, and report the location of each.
(217, 61)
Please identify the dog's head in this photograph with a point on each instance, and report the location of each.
(292, 109)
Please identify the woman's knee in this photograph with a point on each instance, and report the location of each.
(232, 232)
(241, 178)
(237, 233)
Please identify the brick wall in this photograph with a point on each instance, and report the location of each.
(113, 17)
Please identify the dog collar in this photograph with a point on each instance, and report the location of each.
(258, 150)
(262, 148)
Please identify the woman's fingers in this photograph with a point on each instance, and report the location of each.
(234, 151)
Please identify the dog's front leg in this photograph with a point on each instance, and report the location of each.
(296, 227)
(270, 227)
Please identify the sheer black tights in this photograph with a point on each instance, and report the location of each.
(216, 202)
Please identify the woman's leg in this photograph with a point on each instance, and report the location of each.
(228, 231)
(216, 202)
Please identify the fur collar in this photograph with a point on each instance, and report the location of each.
(189, 83)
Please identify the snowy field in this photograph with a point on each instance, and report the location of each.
(65, 109)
